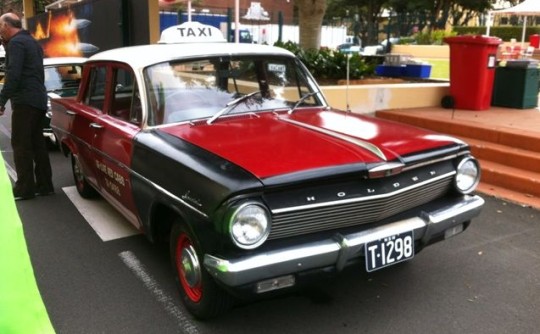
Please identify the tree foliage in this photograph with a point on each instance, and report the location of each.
(361, 15)
(331, 66)
(406, 15)
(10, 6)
(16, 6)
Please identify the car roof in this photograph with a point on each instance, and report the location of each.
(139, 57)
(63, 60)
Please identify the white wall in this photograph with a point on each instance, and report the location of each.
(269, 33)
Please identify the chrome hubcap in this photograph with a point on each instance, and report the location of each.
(190, 266)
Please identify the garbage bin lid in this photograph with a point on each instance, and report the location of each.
(473, 39)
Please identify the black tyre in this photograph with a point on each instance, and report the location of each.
(83, 187)
(200, 294)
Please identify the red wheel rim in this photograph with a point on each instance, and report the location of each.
(194, 289)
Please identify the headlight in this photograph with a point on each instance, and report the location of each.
(249, 225)
(467, 176)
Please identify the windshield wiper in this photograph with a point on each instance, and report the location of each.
(231, 105)
(302, 99)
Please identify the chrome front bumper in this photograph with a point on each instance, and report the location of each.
(337, 251)
(48, 134)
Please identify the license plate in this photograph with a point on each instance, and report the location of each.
(388, 251)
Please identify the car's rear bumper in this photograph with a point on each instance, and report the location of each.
(428, 226)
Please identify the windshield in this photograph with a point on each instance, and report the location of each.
(181, 91)
(63, 79)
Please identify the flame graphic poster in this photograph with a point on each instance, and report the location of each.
(86, 27)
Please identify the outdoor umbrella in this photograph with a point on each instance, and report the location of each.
(256, 13)
(526, 8)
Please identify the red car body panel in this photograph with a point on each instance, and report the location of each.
(389, 136)
(113, 145)
(104, 147)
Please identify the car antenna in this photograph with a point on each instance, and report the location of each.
(349, 55)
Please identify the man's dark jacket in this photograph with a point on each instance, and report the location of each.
(24, 80)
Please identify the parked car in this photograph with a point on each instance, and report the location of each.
(62, 78)
(349, 48)
(231, 154)
(244, 36)
(381, 48)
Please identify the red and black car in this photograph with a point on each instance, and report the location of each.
(231, 153)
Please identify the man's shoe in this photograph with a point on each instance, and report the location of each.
(19, 195)
(22, 197)
(45, 193)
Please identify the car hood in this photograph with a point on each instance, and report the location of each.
(275, 144)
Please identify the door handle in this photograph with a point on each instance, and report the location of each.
(96, 126)
(71, 113)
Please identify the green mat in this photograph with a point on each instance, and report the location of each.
(21, 307)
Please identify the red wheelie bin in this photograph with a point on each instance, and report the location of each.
(472, 70)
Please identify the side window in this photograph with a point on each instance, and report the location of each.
(96, 93)
(123, 95)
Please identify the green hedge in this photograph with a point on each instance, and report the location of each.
(504, 33)
(326, 64)
(435, 37)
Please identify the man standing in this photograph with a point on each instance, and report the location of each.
(24, 86)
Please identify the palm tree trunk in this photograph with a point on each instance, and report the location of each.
(310, 17)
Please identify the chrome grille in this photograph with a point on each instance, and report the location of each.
(365, 210)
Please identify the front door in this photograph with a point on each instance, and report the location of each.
(115, 129)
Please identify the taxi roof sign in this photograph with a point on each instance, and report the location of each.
(191, 32)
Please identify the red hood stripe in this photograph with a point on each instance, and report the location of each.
(336, 134)
(269, 145)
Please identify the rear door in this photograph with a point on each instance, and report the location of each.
(80, 119)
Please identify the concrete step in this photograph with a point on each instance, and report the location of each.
(504, 155)
(507, 172)
(510, 159)
(515, 179)
(509, 195)
(507, 136)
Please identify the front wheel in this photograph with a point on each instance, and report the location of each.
(200, 294)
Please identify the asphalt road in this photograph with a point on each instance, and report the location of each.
(486, 280)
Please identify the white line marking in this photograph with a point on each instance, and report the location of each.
(5, 130)
(108, 223)
(138, 269)
(11, 172)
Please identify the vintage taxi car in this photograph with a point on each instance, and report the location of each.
(231, 153)
(62, 78)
